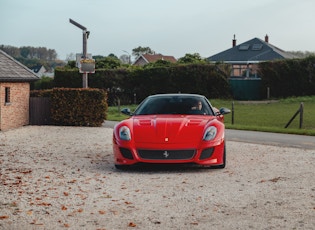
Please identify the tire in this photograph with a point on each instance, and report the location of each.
(121, 167)
(224, 161)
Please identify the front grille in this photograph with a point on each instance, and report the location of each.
(166, 154)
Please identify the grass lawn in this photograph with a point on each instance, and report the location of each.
(267, 116)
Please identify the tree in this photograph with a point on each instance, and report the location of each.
(34, 56)
(191, 59)
(41, 53)
(97, 57)
(52, 54)
(158, 63)
(107, 63)
(112, 56)
(142, 50)
(12, 51)
(300, 54)
(70, 65)
(25, 52)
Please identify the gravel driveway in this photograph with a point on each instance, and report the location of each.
(64, 178)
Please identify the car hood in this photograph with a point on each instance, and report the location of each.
(172, 129)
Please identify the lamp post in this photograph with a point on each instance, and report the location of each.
(128, 56)
(85, 37)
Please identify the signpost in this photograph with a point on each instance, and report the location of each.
(87, 64)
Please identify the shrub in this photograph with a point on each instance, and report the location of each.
(78, 107)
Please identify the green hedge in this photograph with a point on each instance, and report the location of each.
(41, 93)
(284, 78)
(287, 78)
(109, 80)
(128, 85)
(78, 107)
(202, 79)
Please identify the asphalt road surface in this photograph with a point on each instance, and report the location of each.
(276, 139)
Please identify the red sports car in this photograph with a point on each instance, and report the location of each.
(171, 128)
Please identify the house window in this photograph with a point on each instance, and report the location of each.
(257, 46)
(243, 47)
(7, 95)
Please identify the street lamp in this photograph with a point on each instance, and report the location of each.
(85, 37)
(129, 62)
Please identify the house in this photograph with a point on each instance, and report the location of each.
(15, 80)
(245, 57)
(40, 70)
(151, 58)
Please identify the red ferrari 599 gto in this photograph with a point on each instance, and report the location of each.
(171, 128)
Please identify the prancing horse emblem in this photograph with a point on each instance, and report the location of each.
(166, 154)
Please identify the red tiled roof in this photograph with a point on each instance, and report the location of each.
(155, 57)
(150, 58)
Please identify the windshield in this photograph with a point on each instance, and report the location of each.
(174, 104)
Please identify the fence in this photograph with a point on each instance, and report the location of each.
(299, 111)
(40, 111)
(245, 88)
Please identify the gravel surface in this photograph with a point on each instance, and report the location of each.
(64, 178)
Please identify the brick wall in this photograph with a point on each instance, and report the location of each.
(16, 113)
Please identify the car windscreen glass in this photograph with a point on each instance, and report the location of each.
(174, 105)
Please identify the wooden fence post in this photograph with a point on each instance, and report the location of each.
(118, 102)
(233, 113)
(300, 111)
(301, 114)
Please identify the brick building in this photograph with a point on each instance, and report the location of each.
(15, 81)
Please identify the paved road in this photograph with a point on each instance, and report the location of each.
(277, 139)
(285, 140)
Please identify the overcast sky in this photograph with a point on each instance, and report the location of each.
(169, 27)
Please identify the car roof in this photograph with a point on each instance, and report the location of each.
(177, 94)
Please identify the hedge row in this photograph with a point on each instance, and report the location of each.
(139, 83)
(76, 107)
(287, 78)
(284, 78)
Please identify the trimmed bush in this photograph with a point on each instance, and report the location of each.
(287, 78)
(41, 93)
(78, 107)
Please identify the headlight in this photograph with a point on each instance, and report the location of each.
(210, 133)
(124, 133)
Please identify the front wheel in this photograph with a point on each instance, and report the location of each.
(122, 167)
(224, 161)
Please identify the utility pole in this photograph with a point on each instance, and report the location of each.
(84, 55)
(129, 58)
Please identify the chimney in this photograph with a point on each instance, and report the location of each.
(234, 41)
(267, 38)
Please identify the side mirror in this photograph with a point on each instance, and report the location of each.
(224, 111)
(126, 111)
